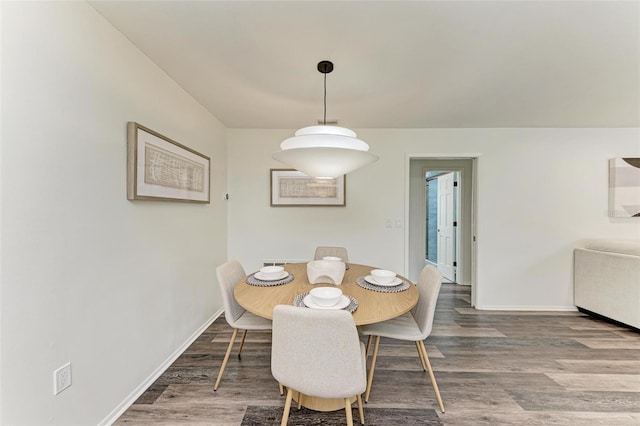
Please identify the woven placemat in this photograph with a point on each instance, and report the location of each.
(351, 307)
(382, 289)
(251, 280)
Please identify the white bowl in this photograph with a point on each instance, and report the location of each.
(271, 272)
(333, 258)
(383, 276)
(326, 296)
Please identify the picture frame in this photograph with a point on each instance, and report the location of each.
(624, 187)
(161, 169)
(290, 187)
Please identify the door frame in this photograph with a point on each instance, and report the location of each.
(470, 273)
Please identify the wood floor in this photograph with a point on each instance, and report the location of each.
(492, 367)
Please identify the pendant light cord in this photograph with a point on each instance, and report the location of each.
(325, 100)
(325, 67)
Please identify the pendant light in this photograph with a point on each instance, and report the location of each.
(325, 151)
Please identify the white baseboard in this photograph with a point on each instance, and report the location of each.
(139, 390)
(526, 308)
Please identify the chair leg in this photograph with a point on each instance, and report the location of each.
(366, 349)
(372, 368)
(431, 376)
(244, 336)
(226, 358)
(281, 389)
(299, 400)
(360, 411)
(347, 408)
(424, 365)
(287, 407)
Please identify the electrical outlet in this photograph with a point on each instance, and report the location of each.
(62, 378)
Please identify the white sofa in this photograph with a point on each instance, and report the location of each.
(607, 279)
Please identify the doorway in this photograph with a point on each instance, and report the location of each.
(462, 239)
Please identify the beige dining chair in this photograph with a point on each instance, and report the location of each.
(229, 274)
(322, 251)
(318, 353)
(413, 326)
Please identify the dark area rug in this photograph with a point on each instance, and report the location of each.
(265, 416)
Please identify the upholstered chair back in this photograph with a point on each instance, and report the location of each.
(323, 251)
(429, 283)
(317, 352)
(229, 274)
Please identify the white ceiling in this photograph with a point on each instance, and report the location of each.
(398, 64)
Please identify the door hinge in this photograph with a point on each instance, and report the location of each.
(455, 263)
(455, 223)
(455, 183)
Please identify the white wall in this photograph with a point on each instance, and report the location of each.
(111, 285)
(540, 191)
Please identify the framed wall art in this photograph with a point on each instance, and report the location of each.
(159, 168)
(293, 188)
(624, 187)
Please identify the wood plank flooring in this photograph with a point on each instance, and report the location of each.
(492, 367)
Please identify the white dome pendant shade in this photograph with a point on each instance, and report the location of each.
(325, 151)
(326, 136)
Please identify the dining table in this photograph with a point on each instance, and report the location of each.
(368, 303)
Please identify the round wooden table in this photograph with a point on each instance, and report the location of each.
(373, 306)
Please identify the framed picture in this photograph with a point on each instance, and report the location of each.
(293, 188)
(624, 187)
(159, 168)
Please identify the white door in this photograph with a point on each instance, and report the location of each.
(446, 245)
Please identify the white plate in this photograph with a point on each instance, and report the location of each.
(396, 281)
(283, 274)
(342, 303)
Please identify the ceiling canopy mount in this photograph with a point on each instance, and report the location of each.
(325, 67)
